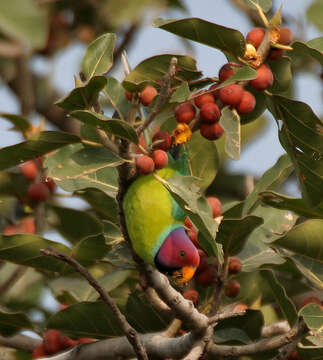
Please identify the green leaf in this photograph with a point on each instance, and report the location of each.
(12, 184)
(82, 97)
(256, 252)
(116, 95)
(183, 190)
(86, 319)
(206, 170)
(24, 21)
(19, 122)
(24, 249)
(239, 330)
(98, 57)
(11, 323)
(76, 167)
(276, 20)
(243, 73)
(233, 233)
(181, 94)
(154, 68)
(38, 145)
(104, 205)
(315, 13)
(271, 179)
(75, 225)
(143, 316)
(310, 269)
(310, 352)
(305, 239)
(120, 255)
(205, 32)
(313, 316)
(286, 305)
(281, 69)
(265, 5)
(80, 290)
(90, 249)
(280, 201)
(313, 48)
(230, 121)
(112, 126)
(112, 233)
(301, 136)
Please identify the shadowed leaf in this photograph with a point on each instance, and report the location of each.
(205, 32)
(11, 323)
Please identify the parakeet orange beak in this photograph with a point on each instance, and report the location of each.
(185, 274)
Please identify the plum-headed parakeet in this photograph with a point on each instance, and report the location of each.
(155, 224)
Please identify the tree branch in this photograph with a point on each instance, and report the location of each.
(164, 94)
(20, 342)
(129, 331)
(262, 345)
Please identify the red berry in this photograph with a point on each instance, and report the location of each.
(231, 94)
(39, 352)
(160, 158)
(294, 356)
(203, 99)
(66, 342)
(63, 307)
(210, 113)
(193, 235)
(203, 261)
(38, 192)
(50, 183)
(255, 36)
(85, 340)
(192, 295)
(129, 95)
(11, 230)
(226, 71)
(264, 79)
(247, 103)
(165, 144)
(216, 205)
(145, 164)
(275, 54)
(232, 289)
(311, 299)
(240, 307)
(188, 223)
(214, 90)
(51, 342)
(147, 95)
(185, 113)
(29, 169)
(208, 276)
(234, 265)
(211, 131)
(285, 36)
(28, 225)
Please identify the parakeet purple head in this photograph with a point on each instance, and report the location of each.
(178, 256)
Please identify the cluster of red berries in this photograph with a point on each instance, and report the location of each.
(146, 96)
(38, 191)
(312, 299)
(158, 158)
(54, 341)
(283, 36)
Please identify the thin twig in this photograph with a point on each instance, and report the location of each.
(164, 94)
(106, 142)
(129, 331)
(222, 315)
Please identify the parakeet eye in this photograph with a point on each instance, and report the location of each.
(182, 253)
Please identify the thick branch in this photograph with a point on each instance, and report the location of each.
(164, 95)
(20, 342)
(262, 345)
(129, 331)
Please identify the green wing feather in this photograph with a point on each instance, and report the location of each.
(150, 211)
